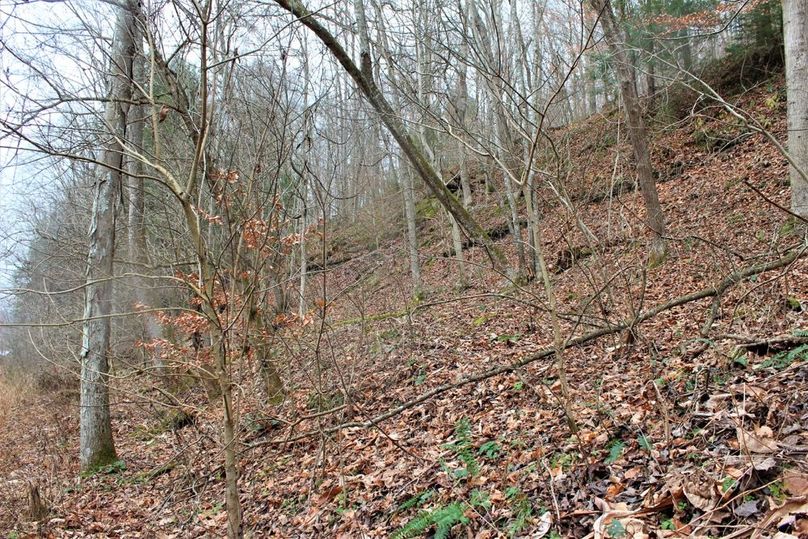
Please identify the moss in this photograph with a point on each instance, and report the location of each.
(658, 256)
(105, 461)
(147, 476)
(794, 304)
(175, 420)
(427, 208)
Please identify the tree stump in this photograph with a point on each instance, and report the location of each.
(37, 510)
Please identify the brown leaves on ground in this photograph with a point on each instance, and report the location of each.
(679, 434)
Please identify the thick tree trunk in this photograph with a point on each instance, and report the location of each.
(638, 133)
(95, 439)
(795, 30)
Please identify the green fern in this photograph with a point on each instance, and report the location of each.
(522, 508)
(784, 359)
(464, 450)
(415, 527)
(417, 500)
(442, 518)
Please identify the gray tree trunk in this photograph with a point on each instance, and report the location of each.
(96, 446)
(408, 186)
(308, 130)
(637, 130)
(509, 155)
(423, 53)
(795, 30)
(461, 108)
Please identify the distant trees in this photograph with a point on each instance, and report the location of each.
(795, 28)
(362, 74)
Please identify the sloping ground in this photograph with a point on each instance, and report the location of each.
(678, 434)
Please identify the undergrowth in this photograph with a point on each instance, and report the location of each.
(443, 517)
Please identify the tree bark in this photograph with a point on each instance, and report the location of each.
(509, 154)
(795, 30)
(637, 130)
(96, 445)
(650, 76)
(461, 111)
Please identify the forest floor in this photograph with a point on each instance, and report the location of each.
(678, 433)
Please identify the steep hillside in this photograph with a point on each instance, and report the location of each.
(688, 381)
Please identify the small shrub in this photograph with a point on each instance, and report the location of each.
(463, 449)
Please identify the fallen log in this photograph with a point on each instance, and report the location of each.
(496, 233)
(762, 347)
(712, 291)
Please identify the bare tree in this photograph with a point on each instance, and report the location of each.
(401, 170)
(363, 77)
(637, 130)
(96, 444)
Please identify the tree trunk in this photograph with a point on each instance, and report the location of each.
(411, 215)
(686, 49)
(461, 109)
(138, 251)
(650, 76)
(457, 247)
(402, 171)
(234, 516)
(304, 195)
(308, 130)
(795, 30)
(95, 439)
(508, 152)
(638, 133)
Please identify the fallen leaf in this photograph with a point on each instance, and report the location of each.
(778, 513)
(545, 523)
(795, 482)
(746, 509)
(763, 465)
(703, 494)
(760, 442)
(613, 490)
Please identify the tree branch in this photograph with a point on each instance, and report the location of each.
(730, 280)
